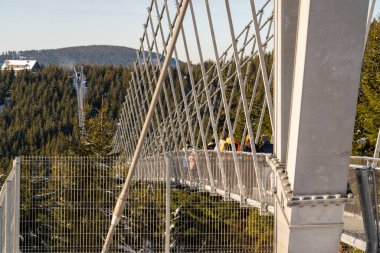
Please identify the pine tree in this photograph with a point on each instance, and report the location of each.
(368, 111)
(96, 138)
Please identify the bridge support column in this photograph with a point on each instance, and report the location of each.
(312, 188)
(286, 14)
(286, 17)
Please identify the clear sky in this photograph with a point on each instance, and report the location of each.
(46, 24)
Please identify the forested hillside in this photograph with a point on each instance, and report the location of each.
(98, 55)
(70, 56)
(368, 111)
(40, 113)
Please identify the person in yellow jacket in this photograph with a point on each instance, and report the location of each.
(222, 142)
(228, 144)
(247, 144)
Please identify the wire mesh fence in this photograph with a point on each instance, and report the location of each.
(67, 203)
(206, 218)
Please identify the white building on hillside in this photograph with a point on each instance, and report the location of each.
(18, 65)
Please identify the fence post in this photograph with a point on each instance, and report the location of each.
(8, 219)
(167, 212)
(17, 183)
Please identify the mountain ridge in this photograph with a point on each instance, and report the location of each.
(70, 56)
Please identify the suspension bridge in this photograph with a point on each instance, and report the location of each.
(79, 83)
(291, 72)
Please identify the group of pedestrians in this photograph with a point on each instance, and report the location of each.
(225, 144)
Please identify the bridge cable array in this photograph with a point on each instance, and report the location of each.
(199, 103)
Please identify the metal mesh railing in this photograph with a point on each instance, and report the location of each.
(205, 218)
(67, 202)
(10, 210)
(225, 181)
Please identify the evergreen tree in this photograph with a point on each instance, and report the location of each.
(368, 110)
(96, 139)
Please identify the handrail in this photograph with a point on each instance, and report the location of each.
(10, 210)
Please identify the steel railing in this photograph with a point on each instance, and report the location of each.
(10, 210)
(150, 170)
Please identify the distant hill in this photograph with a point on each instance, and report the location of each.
(70, 56)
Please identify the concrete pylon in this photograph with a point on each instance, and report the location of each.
(312, 186)
(286, 17)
